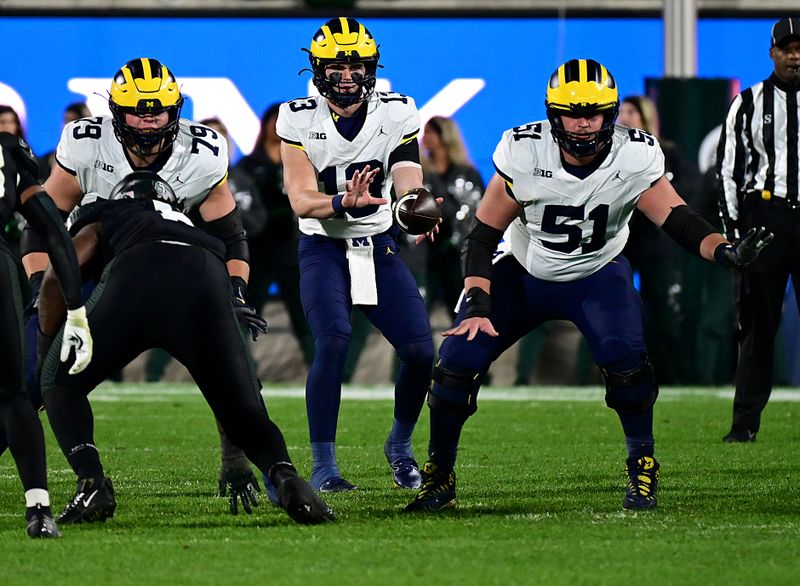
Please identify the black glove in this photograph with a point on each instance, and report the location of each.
(741, 253)
(247, 314)
(240, 486)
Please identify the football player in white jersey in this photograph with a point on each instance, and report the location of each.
(565, 189)
(342, 153)
(145, 132)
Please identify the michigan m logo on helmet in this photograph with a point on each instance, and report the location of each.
(343, 40)
(582, 88)
(145, 86)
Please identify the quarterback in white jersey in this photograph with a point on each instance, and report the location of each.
(145, 132)
(342, 152)
(391, 123)
(565, 188)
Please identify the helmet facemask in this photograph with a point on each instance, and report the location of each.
(328, 86)
(581, 145)
(145, 142)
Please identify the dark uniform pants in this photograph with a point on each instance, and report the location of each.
(761, 290)
(177, 298)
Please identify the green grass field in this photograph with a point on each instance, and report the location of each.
(540, 486)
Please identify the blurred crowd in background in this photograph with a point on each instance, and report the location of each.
(689, 320)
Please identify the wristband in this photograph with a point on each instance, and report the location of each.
(338, 207)
(720, 256)
(478, 303)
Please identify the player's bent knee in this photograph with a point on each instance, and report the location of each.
(332, 347)
(417, 354)
(455, 390)
(630, 391)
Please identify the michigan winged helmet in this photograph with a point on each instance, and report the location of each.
(343, 40)
(582, 88)
(145, 86)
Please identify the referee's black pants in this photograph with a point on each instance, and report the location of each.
(760, 295)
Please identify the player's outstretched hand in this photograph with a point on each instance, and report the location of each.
(241, 487)
(246, 313)
(744, 251)
(77, 337)
(357, 194)
(471, 326)
(431, 234)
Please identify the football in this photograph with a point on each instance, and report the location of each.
(417, 211)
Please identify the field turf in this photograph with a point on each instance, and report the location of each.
(540, 486)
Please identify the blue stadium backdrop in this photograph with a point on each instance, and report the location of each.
(488, 73)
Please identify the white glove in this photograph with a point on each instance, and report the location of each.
(77, 336)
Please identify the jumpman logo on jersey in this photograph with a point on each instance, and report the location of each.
(616, 176)
(389, 250)
(380, 131)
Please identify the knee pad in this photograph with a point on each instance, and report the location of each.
(630, 391)
(454, 390)
(332, 348)
(417, 354)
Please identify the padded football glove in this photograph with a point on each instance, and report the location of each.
(741, 253)
(77, 337)
(240, 486)
(246, 313)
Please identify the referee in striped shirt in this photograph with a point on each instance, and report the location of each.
(757, 165)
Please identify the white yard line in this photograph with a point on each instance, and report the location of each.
(136, 392)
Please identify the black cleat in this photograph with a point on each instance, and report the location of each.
(301, 503)
(642, 483)
(40, 523)
(739, 434)
(94, 501)
(438, 490)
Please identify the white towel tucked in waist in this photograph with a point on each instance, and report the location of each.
(363, 287)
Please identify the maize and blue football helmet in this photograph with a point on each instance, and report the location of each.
(582, 88)
(343, 40)
(145, 86)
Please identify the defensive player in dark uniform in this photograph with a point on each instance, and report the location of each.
(146, 131)
(21, 191)
(164, 284)
(564, 192)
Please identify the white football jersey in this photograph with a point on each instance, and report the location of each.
(89, 150)
(306, 123)
(570, 227)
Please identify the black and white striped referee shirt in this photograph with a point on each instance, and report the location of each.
(758, 148)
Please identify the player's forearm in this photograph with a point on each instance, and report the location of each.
(709, 245)
(238, 268)
(479, 282)
(52, 309)
(312, 204)
(35, 262)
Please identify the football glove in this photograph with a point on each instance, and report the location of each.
(77, 337)
(743, 252)
(246, 313)
(240, 486)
